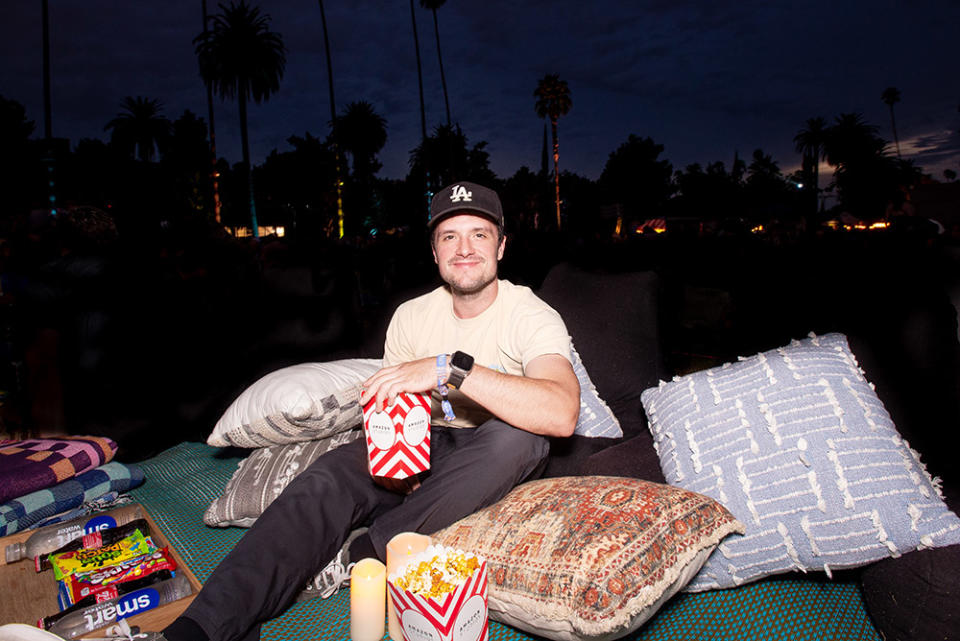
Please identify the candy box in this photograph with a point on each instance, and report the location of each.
(398, 438)
(28, 595)
(456, 608)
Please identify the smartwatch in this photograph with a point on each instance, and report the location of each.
(460, 366)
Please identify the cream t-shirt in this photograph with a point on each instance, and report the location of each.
(517, 328)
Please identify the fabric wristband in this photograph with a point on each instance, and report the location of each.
(442, 387)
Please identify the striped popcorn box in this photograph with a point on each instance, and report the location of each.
(398, 438)
(441, 595)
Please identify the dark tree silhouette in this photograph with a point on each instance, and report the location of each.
(18, 172)
(553, 101)
(864, 176)
(338, 177)
(140, 129)
(809, 143)
(452, 159)
(362, 133)
(891, 96)
(711, 193)
(433, 5)
(186, 164)
(241, 58)
(423, 110)
(636, 177)
(214, 174)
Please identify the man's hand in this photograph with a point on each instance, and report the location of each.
(412, 377)
(400, 486)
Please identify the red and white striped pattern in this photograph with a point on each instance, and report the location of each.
(460, 615)
(408, 451)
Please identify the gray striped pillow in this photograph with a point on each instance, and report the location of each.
(263, 475)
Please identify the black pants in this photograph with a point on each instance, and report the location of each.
(302, 530)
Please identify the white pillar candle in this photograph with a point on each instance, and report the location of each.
(368, 593)
(399, 550)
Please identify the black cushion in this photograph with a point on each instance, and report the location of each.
(635, 458)
(613, 321)
(915, 597)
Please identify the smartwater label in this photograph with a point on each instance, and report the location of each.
(98, 523)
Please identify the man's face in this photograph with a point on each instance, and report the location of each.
(466, 249)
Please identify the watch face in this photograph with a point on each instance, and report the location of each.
(462, 361)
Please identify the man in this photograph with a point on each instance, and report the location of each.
(497, 361)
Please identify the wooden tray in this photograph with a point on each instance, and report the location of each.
(29, 596)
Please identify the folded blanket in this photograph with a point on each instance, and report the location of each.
(37, 463)
(108, 501)
(21, 513)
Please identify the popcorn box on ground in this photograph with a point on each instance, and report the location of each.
(398, 438)
(457, 615)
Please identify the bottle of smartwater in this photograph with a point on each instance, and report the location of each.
(52, 537)
(80, 622)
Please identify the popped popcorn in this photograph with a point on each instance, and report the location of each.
(437, 571)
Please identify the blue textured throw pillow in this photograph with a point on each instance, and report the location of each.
(596, 419)
(797, 445)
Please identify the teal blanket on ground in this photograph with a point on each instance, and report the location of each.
(182, 481)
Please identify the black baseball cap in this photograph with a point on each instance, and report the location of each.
(465, 197)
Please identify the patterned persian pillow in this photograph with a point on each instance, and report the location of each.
(263, 475)
(596, 419)
(297, 403)
(589, 557)
(795, 442)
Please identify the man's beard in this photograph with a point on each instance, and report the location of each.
(470, 289)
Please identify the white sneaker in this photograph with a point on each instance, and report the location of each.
(333, 577)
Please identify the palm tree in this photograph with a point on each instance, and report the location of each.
(553, 101)
(362, 133)
(762, 166)
(850, 139)
(47, 117)
(433, 5)
(891, 96)
(141, 129)
(449, 153)
(240, 57)
(423, 111)
(863, 171)
(809, 143)
(333, 121)
(214, 174)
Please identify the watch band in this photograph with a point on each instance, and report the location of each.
(442, 388)
(461, 364)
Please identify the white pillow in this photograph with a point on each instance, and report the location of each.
(298, 403)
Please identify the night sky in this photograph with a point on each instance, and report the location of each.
(704, 79)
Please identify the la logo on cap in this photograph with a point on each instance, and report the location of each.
(459, 193)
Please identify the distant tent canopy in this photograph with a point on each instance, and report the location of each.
(652, 226)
